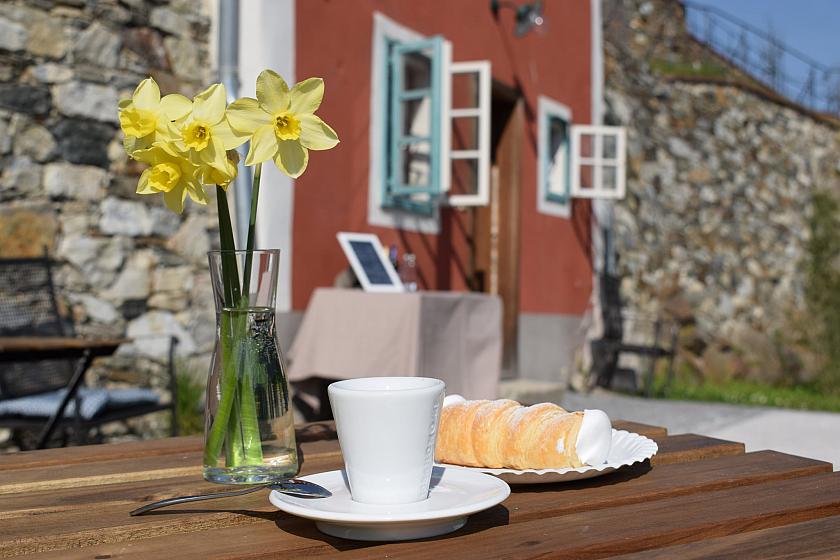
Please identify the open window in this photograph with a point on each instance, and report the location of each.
(598, 161)
(435, 127)
(576, 161)
(415, 123)
(467, 177)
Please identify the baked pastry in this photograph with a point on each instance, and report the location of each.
(504, 434)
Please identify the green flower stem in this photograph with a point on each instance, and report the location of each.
(252, 231)
(230, 274)
(234, 452)
(231, 296)
(249, 422)
(235, 424)
(228, 390)
(247, 402)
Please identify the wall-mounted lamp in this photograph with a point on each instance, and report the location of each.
(528, 16)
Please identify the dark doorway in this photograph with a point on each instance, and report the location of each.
(496, 226)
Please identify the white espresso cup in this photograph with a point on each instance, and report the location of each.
(387, 428)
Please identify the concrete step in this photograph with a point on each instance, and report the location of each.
(527, 391)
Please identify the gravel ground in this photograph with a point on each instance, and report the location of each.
(804, 433)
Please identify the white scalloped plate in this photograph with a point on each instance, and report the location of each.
(627, 449)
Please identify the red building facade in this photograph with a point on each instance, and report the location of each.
(531, 241)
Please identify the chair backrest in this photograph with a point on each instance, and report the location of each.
(28, 307)
(610, 292)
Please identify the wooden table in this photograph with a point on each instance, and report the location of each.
(700, 497)
(33, 348)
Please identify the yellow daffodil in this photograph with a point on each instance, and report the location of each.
(205, 132)
(145, 118)
(281, 122)
(212, 176)
(174, 174)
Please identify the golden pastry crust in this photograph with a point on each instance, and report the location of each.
(504, 434)
(487, 447)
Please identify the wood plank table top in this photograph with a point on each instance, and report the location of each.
(699, 497)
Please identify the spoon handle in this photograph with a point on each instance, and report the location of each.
(186, 499)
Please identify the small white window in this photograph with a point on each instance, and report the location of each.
(598, 161)
(466, 178)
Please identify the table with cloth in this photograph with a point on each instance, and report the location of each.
(453, 336)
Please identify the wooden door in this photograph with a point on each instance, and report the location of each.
(496, 233)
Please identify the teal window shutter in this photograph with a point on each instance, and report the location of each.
(413, 131)
(554, 157)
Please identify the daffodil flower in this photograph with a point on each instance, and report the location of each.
(205, 132)
(281, 122)
(145, 118)
(212, 176)
(171, 173)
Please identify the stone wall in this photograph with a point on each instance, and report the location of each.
(720, 177)
(127, 266)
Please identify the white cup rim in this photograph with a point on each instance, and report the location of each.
(386, 385)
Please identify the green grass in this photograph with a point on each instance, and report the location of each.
(803, 397)
(688, 69)
(190, 402)
(822, 286)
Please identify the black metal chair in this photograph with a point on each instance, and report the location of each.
(607, 350)
(35, 394)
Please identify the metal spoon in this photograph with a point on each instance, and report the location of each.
(293, 486)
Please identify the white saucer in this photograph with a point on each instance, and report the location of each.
(455, 494)
(627, 448)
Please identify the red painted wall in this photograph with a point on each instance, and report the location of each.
(334, 41)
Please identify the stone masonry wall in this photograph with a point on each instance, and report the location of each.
(127, 266)
(720, 178)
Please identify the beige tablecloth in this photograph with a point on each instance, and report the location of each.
(456, 337)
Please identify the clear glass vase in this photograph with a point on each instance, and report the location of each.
(249, 429)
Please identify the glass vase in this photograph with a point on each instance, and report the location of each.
(249, 428)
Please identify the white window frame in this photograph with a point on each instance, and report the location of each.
(481, 68)
(547, 107)
(597, 161)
